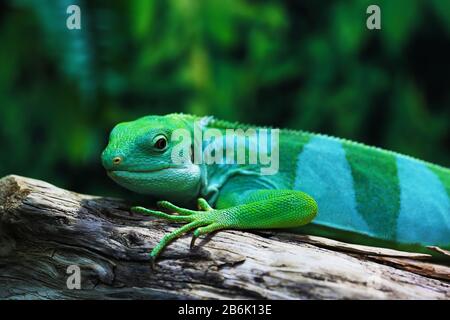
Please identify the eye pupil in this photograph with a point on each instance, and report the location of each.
(161, 143)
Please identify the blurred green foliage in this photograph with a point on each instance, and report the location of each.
(309, 65)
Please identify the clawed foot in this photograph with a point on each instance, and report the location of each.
(152, 263)
(204, 221)
(194, 237)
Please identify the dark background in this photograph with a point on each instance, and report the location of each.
(310, 65)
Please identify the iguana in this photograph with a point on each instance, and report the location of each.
(348, 190)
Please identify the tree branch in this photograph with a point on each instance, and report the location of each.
(44, 229)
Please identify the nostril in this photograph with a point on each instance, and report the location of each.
(116, 160)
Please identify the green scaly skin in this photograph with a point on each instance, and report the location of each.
(353, 189)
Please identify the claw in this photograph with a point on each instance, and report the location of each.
(194, 237)
(202, 204)
(152, 263)
(134, 210)
(162, 204)
(170, 206)
(160, 214)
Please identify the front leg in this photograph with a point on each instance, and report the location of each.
(256, 209)
(199, 220)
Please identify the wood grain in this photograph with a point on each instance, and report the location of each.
(44, 229)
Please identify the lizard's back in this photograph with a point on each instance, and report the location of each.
(374, 192)
(364, 191)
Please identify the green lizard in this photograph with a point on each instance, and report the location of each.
(349, 191)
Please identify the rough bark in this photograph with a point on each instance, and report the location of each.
(44, 229)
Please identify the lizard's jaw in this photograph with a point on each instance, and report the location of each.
(167, 183)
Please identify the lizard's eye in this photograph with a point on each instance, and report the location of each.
(160, 142)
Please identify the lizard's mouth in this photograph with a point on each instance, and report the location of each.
(135, 172)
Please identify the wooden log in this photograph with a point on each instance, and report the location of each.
(45, 229)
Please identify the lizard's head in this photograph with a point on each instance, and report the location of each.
(139, 158)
